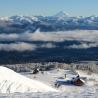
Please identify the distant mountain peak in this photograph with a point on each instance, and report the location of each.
(61, 14)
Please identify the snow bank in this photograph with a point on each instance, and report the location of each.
(11, 82)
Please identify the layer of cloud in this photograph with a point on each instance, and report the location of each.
(83, 46)
(80, 35)
(21, 46)
(48, 45)
(17, 47)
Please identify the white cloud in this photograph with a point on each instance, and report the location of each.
(83, 46)
(84, 35)
(18, 47)
(21, 46)
(48, 45)
(81, 35)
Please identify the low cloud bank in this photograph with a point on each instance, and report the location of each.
(81, 35)
(21, 46)
(17, 47)
(48, 45)
(83, 46)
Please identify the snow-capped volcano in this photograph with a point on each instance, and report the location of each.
(11, 82)
(62, 14)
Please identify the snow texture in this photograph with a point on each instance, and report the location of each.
(11, 82)
(21, 87)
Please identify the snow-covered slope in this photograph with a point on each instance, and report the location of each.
(88, 90)
(11, 82)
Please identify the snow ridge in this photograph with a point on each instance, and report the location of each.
(11, 82)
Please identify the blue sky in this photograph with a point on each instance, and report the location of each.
(48, 7)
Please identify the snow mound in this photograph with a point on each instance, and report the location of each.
(11, 82)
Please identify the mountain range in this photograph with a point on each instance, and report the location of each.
(59, 22)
